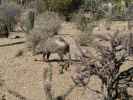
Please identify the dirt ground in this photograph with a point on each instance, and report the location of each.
(25, 75)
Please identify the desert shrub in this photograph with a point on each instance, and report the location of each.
(46, 25)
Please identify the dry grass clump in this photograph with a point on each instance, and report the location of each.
(46, 25)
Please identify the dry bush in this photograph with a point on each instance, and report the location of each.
(46, 25)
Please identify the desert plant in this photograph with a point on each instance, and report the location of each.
(46, 25)
(106, 66)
